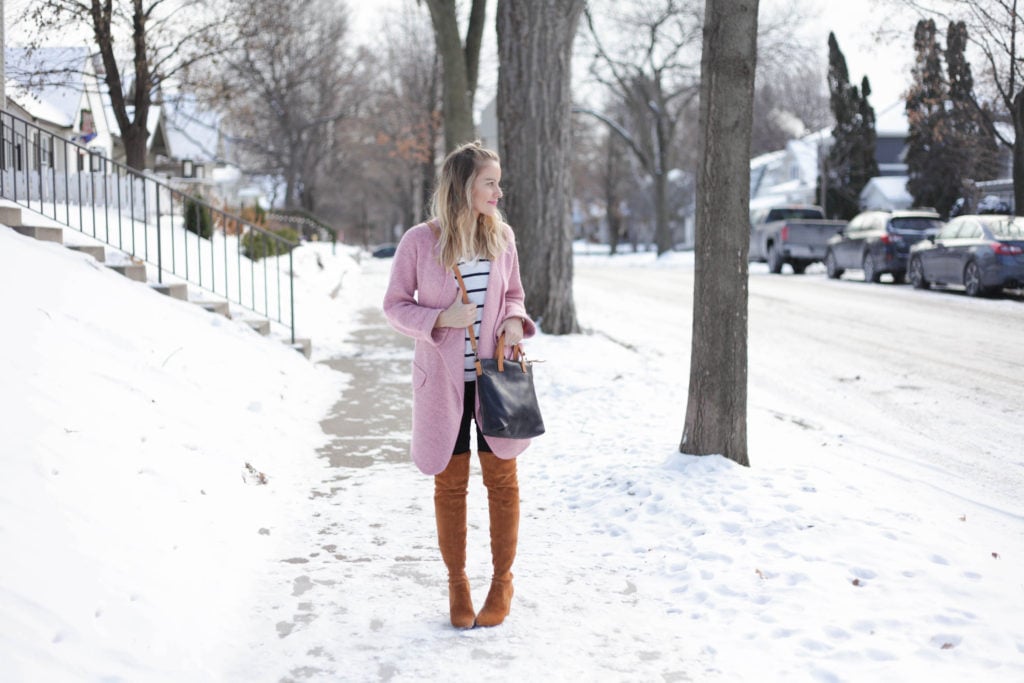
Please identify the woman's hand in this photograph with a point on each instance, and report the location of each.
(457, 315)
(512, 328)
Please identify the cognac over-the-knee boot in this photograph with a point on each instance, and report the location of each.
(450, 509)
(503, 505)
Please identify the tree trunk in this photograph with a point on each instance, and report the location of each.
(1018, 154)
(534, 130)
(134, 141)
(662, 233)
(456, 93)
(716, 409)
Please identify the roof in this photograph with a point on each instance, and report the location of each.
(192, 132)
(47, 81)
(891, 189)
(891, 122)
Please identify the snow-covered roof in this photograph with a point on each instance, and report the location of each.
(886, 192)
(192, 132)
(891, 122)
(47, 81)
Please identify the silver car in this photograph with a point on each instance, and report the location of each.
(983, 254)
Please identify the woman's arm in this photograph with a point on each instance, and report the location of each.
(516, 323)
(401, 308)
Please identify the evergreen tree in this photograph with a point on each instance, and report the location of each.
(949, 141)
(851, 158)
(932, 162)
(971, 123)
(865, 166)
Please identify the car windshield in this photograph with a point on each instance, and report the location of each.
(915, 224)
(1007, 230)
(785, 214)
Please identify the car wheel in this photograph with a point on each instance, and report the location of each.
(870, 274)
(831, 267)
(972, 280)
(799, 267)
(774, 260)
(917, 275)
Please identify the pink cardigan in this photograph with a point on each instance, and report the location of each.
(418, 291)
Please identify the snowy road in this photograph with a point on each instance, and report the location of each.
(856, 363)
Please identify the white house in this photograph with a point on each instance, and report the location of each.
(58, 90)
(791, 175)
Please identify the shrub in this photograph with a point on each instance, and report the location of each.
(258, 244)
(254, 214)
(198, 217)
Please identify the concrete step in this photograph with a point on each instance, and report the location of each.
(41, 233)
(303, 346)
(132, 271)
(218, 307)
(178, 290)
(261, 326)
(98, 253)
(10, 215)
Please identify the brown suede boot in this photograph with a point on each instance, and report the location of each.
(450, 510)
(503, 505)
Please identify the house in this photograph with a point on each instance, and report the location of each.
(791, 175)
(187, 144)
(59, 91)
(788, 176)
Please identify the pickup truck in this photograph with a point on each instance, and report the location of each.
(796, 234)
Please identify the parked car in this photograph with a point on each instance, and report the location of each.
(983, 254)
(791, 233)
(878, 242)
(384, 251)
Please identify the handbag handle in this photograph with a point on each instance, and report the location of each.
(518, 354)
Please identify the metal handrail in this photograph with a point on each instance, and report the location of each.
(145, 217)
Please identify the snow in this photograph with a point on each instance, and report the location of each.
(870, 540)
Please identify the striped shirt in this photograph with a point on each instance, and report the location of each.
(475, 274)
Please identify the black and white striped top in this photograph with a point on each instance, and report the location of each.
(475, 274)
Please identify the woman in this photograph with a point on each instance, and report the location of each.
(424, 301)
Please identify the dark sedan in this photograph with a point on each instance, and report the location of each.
(983, 254)
(877, 242)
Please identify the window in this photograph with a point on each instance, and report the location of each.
(1007, 230)
(915, 224)
(42, 148)
(86, 123)
(950, 230)
(793, 212)
(970, 231)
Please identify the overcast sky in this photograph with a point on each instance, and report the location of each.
(854, 22)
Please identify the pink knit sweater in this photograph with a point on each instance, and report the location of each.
(418, 291)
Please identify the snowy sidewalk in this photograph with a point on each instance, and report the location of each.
(635, 563)
(364, 597)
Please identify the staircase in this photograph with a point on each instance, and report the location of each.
(133, 269)
(145, 229)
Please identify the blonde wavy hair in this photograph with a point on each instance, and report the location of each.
(452, 207)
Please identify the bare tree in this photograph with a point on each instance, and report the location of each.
(655, 76)
(535, 39)
(716, 408)
(461, 64)
(286, 84)
(996, 30)
(603, 174)
(166, 39)
(789, 102)
(379, 174)
(406, 109)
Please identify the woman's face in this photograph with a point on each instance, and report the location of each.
(486, 189)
